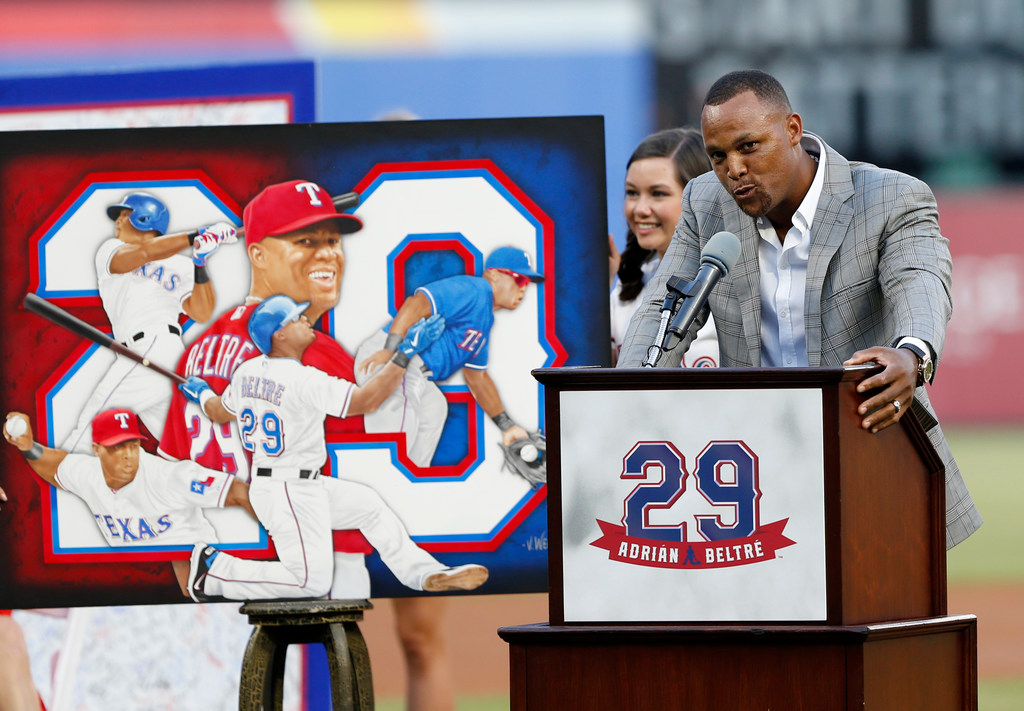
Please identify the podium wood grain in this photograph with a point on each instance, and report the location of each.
(905, 666)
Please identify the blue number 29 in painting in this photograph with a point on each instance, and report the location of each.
(272, 438)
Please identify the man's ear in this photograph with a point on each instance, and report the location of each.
(795, 128)
(257, 255)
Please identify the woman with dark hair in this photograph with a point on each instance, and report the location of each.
(656, 174)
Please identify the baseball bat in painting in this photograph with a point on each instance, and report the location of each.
(62, 318)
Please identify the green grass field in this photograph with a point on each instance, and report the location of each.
(992, 460)
(992, 696)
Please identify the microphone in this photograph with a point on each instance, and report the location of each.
(717, 258)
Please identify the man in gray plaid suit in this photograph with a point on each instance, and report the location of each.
(841, 263)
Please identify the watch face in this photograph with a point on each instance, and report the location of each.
(925, 365)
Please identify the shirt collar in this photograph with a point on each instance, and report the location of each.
(810, 202)
(804, 215)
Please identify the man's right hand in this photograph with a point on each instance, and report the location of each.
(193, 389)
(374, 362)
(23, 441)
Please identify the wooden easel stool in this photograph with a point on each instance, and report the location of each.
(332, 623)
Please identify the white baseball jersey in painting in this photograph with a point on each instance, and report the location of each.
(161, 506)
(280, 405)
(145, 298)
(143, 306)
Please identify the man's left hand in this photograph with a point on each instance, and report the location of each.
(895, 384)
(512, 434)
(421, 335)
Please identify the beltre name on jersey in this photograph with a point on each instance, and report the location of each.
(218, 355)
(260, 388)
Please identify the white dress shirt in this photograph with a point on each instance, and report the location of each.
(784, 275)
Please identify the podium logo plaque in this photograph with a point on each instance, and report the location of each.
(682, 510)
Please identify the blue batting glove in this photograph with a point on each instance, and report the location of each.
(193, 389)
(421, 335)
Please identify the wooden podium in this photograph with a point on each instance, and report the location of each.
(817, 580)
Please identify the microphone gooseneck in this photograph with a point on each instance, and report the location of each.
(716, 260)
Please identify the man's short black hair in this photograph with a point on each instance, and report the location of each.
(765, 87)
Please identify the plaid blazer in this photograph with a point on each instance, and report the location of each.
(879, 269)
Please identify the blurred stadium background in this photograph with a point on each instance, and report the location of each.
(932, 87)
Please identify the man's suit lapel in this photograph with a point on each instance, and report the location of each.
(746, 278)
(831, 224)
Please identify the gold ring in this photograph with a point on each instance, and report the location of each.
(897, 405)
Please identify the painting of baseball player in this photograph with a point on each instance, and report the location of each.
(293, 236)
(468, 303)
(145, 283)
(138, 499)
(280, 405)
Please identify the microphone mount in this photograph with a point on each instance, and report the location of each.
(675, 289)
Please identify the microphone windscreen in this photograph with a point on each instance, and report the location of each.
(722, 250)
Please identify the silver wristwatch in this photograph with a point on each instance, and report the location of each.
(925, 365)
